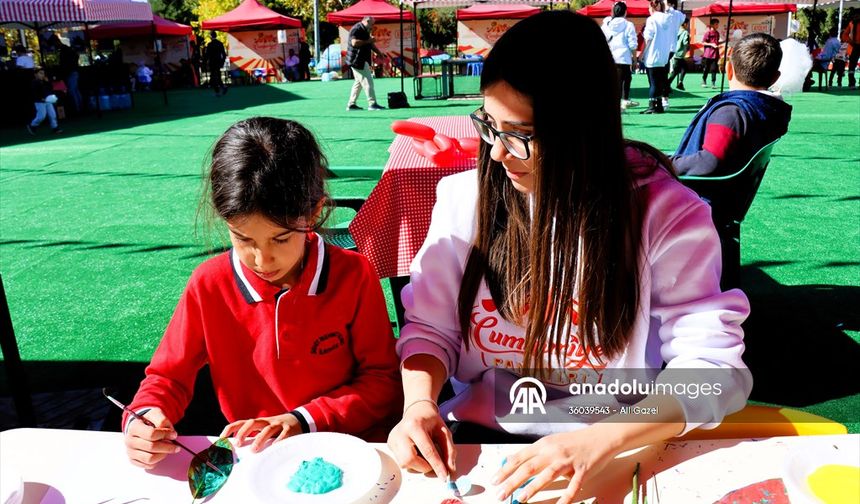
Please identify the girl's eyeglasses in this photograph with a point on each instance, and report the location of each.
(516, 143)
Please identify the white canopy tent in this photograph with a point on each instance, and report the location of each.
(431, 4)
(44, 14)
(40, 14)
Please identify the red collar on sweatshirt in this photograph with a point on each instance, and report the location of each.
(312, 281)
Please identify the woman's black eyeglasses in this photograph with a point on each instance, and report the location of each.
(516, 143)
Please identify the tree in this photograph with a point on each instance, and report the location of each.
(578, 4)
(438, 27)
(208, 9)
(181, 11)
(811, 23)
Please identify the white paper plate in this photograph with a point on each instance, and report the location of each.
(270, 470)
(804, 461)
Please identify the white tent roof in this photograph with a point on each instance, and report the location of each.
(33, 13)
(430, 4)
(830, 4)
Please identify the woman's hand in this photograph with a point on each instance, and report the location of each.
(416, 441)
(147, 446)
(262, 429)
(573, 455)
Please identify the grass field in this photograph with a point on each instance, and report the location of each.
(97, 227)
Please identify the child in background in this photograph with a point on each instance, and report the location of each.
(295, 332)
(711, 53)
(291, 66)
(727, 132)
(144, 76)
(838, 66)
(822, 59)
(44, 100)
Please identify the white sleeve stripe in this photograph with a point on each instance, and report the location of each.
(131, 418)
(312, 290)
(312, 426)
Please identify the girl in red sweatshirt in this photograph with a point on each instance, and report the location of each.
(295, 331)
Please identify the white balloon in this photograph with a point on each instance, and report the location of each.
(795, 66)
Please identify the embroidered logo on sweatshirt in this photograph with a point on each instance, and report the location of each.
(500, 343)
(327, 343)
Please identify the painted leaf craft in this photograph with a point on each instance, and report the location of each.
(203, 480)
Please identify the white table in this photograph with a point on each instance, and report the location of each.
(66, 466)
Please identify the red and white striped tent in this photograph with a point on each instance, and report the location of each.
(47, 13)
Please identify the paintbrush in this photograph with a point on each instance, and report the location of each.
(146, 421)
(452, 487)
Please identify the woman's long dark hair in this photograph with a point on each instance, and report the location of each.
(572, 260)
(269, 166)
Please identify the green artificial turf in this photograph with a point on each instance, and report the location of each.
(97, 225)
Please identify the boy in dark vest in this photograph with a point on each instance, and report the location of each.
(734, 125)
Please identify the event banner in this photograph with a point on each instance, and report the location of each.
(776, 25)
(475, 37)
(140, 50)
(260, 49)
(387, 37)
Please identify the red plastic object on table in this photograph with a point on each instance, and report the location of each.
(440, 149)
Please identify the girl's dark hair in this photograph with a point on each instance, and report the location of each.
(657, 5)
(570, 258)
(619, 9)
(269, 166)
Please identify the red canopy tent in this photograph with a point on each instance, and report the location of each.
(480, 26)
(722, 8)
(253, 44)
(250, 15)
(486, 11)
(138, 40)
(139, 29)
(379, 9)
(603, 8)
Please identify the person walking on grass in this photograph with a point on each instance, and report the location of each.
(711, 53)
(360, 46)
(621, 37)
(295, 332)
(678, 19)
(43, 100)
(679, 59)
(215, 57)
(660, 33)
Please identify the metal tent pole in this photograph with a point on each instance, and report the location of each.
(839, 21)
(93, 70)
(726, 47)
(402, 54)
(810, 38)
(316, 32)
(158, 61)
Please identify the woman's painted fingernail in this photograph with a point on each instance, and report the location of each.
(501, 495)
(176, 449)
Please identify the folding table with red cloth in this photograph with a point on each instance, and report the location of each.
(392, 224)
